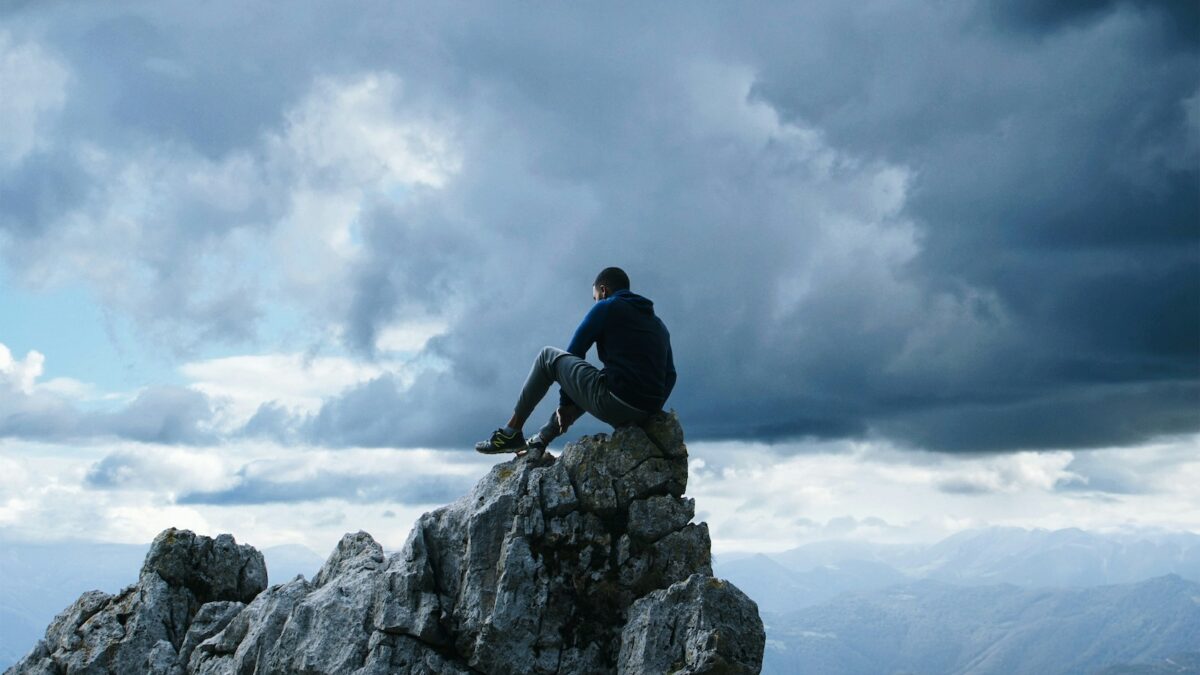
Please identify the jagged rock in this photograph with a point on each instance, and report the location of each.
(701, 625)
(212, 618)
(654, 518)
(579, 564)
(354, 553)
(212, 569)
(608, 481)
(163, 660)
(251, 636)
(142, 628)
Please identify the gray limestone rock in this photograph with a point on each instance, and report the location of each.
(212, 618)
(700, 625)
(212, 569)
(163, 660)
(606, 482)
(573, 564)
(354, 553)
(654, 518)
(248, 642)
(142, 628)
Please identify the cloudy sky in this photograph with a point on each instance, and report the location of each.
(273, 270)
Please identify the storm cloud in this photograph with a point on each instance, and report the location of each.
(956, 226)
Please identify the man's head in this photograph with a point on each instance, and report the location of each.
(609, 281)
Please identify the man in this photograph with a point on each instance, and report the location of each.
(638, 374)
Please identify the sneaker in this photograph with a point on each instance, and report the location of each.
(548, 432)
(501, 443)
(534, 447)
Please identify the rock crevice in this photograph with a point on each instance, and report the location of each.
(588, 563)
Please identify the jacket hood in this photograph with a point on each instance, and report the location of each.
(634, 300)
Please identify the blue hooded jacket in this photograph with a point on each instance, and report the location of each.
(634, 346)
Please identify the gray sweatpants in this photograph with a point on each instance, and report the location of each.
(584, 383)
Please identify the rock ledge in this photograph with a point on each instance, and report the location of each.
(585, 564)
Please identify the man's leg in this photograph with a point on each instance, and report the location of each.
(584, 383)
(587, 386)
(541, 376)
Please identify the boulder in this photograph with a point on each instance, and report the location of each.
(697, 626)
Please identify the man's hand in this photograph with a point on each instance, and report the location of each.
(566, 415)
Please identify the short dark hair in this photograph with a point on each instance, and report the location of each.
(612, 278)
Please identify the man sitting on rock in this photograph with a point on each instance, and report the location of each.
(636, 380)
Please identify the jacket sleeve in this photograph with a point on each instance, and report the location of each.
(585, 336)
(670, 373)
(588, 330)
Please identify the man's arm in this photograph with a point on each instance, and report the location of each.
(585, 336)
(670, 373)
(588, 330)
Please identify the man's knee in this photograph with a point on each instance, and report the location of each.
(547, 357)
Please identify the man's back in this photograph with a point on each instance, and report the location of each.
(635, 347)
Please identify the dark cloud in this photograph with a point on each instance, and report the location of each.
(904, 219)
(1060, 177)
(39, 193)
(1179, 20)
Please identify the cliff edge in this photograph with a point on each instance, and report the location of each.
(588, 563)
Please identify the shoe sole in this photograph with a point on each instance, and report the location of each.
(487, 448)
(533, 453)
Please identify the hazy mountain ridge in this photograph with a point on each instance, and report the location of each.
(1069, 558)
(1187, 663)
(976, 571)
(932, 627)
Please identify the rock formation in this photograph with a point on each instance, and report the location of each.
(587, 563)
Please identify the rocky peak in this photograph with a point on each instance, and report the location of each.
(588, 563)
(212, 569)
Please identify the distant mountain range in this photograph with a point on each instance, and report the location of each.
(1176, 664)
(1069, 558)
(933, 627)
(995, 600)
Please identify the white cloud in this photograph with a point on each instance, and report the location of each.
(77, 390)
(163, 470)
(296, 381)
(758, 500)
(35, 89)
(348, 142)
(350, 132)
(1013, 473)
(409, 336)
(752, 498)
(128, 492)
(194, 246)
(21, 374)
